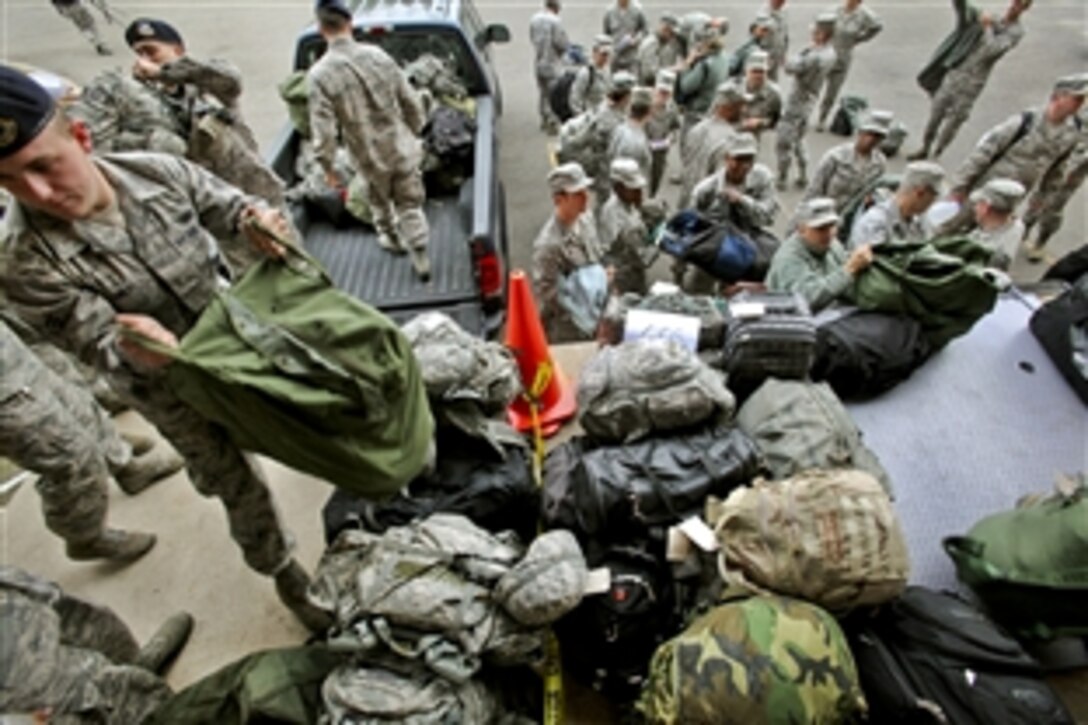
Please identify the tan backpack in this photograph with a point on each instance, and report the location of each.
(827, 536)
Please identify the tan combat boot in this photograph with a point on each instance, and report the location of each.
(148, 465)
(291, 585)
(166, 643)
(113, 545)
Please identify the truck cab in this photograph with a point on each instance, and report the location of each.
(468, 238)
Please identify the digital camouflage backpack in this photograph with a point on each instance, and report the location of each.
(757, 660)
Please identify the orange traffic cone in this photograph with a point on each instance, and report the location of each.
(548, 396)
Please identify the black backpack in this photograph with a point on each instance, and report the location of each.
(559, 93)
(862, 354)
(1061, 326)
(929, 657)
(608, 639)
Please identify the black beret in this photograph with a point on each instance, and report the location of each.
(336, 6)
(149, 29)
(25, 109)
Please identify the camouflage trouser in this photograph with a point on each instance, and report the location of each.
(70, 657)
(659, 159)
(217, 468)
(58, 431)
(1046, 209)
(81, 16)
(544, 83)
(790, 144)
(832, 85)
(950, 109)
(396, 200)
(79, 375)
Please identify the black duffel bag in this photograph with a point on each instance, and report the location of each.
(617, 494)
(470, 478)
(862, 354)
(1061, 326)
(721, 249)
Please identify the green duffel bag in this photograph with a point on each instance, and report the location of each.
(1029, 566)
(296, 94)
(941, 283)
(301, 372)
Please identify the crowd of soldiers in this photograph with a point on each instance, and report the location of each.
(648, 87)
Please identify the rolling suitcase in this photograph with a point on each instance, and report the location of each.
(769, 335)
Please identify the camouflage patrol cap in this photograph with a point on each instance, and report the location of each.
(762, 660)
(622, 81)
(826, 21)
(603, 43)
(757, 60)
(626, 173)
(878, 122)
(642, 96)
(1001, 194)
(925, 174)
(666, 80)
(568, 179)
(729, 92)
(817, 212)
(671, 19)
(742, 144)
(762, 20)
(25, 110)
(1074, 85)
(151, 29)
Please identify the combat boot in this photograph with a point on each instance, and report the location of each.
(166, 643)
(421, 263)
(291, 585)
(113, 545)
(148, 466)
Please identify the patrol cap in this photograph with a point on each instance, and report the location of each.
(603, 42)
(742, 144)
(729, 92)
(817, 212)
(671, 19)
(333, 6)
(666, 80)
(568, 178)
(826, 21)
(151, 29)
(757, 60)
(1074, 85)
(642, 96)
(878, 122)
(1001, 194)
(762, 20)
(923, 174)
(622, 81)
(25, 110)
(626, 173)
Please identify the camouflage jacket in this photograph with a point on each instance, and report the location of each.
(558, 251)
(756, 208)
(126, 115)
(627, 27)
(549, 41)
(809, 68)
(629, 141)
(765, 103)
(819, 278)
(970, 76)
(883, 224)
(358, 92)
(588, 89)
(703, 149)
(842, 172)
(654, 54)
(853, 27)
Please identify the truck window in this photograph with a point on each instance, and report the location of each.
(407, 44)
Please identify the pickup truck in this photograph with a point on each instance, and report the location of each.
(468, 242)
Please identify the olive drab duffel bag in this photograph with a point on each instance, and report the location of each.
(305, 374)
(760, 660)
(828, 537)
(1029, 566)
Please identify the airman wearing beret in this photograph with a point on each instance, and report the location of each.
(812, 262)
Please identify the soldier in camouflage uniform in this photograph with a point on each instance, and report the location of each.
(592, 81)
(567, 241)
(812, 262)
(963, 84)
(759, 40)
(757, 660)
(707, 139)
(850, 167)
(124, 114)
(854, 25)
(72, 661)
(610, 116)
(779, 42)
(626, 24)
(358, 92)
(203, 98)
(698, 78)
(660, 50)
(629, 140)
(808, 68)
(133, 241)
(661, 127)
(764, 106)
(901, 217)
(622, 230)
(78, 13)
(742, 193)
(55, 429)
(1047, 203)
(550, 43)
(1028, 147)
(998, 228)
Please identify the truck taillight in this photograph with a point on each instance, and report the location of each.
(489, 274)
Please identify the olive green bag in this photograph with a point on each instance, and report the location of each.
(299, 371)
(296, 94)
(1029, 566)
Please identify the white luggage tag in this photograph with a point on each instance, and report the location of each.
(598, 581)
